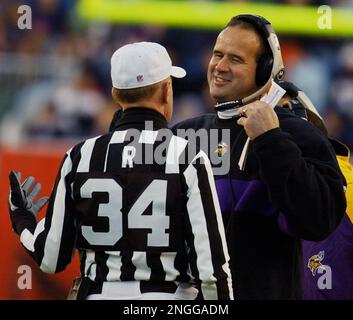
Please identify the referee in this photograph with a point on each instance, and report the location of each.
(138, 203)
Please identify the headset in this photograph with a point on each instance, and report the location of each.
(269, 66)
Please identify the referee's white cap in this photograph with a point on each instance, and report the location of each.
(141, 64)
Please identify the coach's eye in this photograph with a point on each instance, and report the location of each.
(235, 59)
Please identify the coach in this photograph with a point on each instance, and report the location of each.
(290, 188)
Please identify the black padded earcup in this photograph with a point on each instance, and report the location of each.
(264, 68)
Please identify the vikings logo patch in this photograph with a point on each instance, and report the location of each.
(222, 148)
(314, 262)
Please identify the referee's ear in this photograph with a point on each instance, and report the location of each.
(115, 99)
(167, 92)
(167, 99)
(114, 95)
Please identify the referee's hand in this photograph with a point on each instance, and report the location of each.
(22, 196)
(257, 118)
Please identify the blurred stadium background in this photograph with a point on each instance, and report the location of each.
(55, 83)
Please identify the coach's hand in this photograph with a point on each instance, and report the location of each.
(257, 118)
(22, 196)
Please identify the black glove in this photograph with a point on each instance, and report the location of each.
(22, 204)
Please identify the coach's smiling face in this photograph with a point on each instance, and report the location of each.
(232, 68)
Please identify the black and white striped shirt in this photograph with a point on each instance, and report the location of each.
(133, 216)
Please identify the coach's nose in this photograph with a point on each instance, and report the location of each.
(222, 65)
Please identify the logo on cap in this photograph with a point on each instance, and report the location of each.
(139, 78)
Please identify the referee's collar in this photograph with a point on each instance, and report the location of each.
(136, 118)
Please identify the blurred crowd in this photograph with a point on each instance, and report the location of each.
(55, 78)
